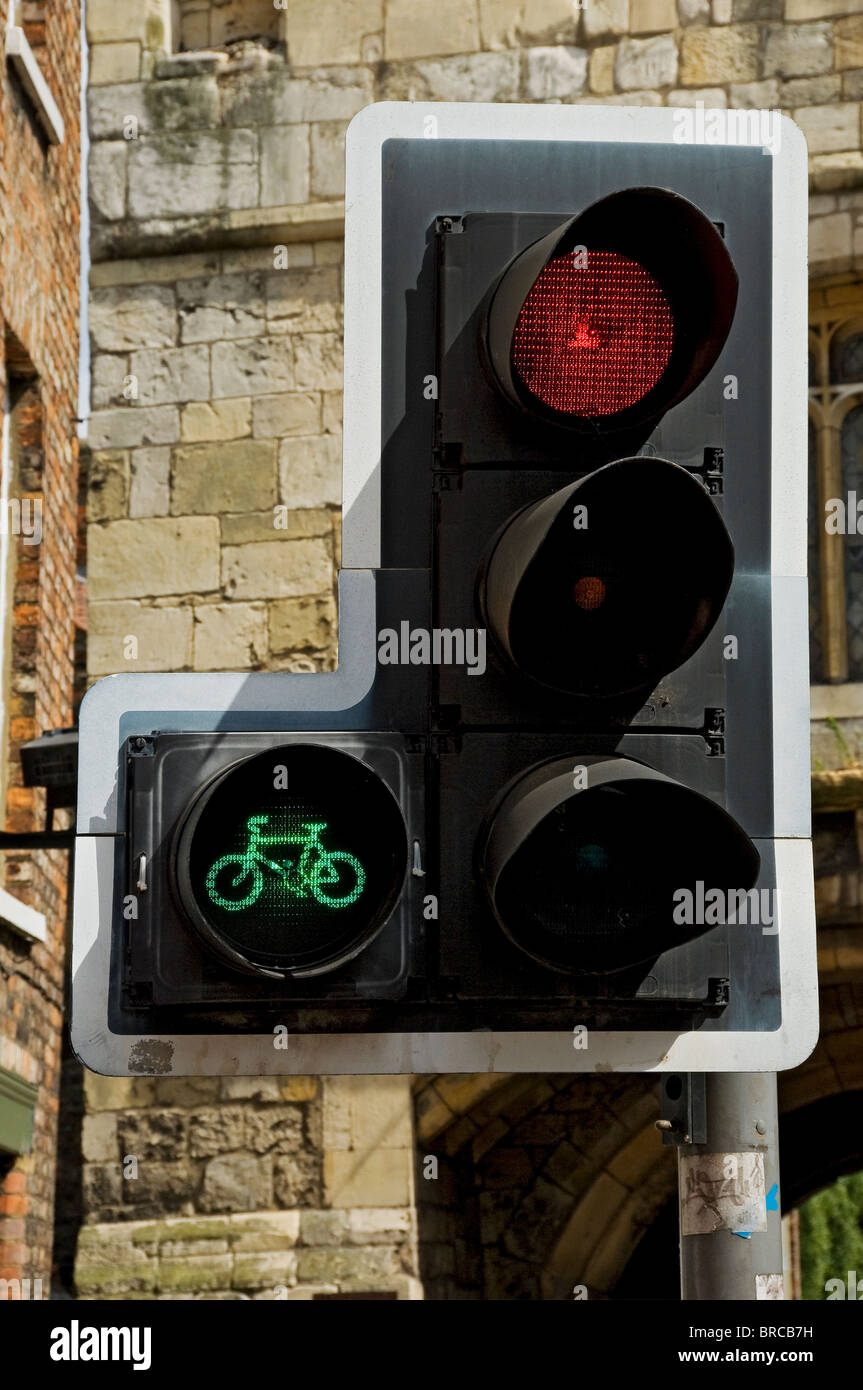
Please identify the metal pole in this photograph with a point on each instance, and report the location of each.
(730, 1184)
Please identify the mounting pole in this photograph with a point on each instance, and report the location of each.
(728, 1180)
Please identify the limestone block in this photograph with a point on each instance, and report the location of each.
(325, 1227)
(298, 1087)
(819, 9)
(264, 1088)
(253, 367)
(162, 636)
(265, 1269)
(114, 112)
(275, 1129)
(834, 127)
(186, 1090)
(852, 85)
(221, 306)
(368, 1178)
(296, 1179)
(216, 420)
(378, 1225)
(310, 471)
(238, 476)
(644, 63)
(797, 50)
(133, 559)
(334, 94)
(229, 637)
(294, 412)
(273, 1230)
(723, 11)
(108, 22)
(332, 413)
(196, 172)
(276, 569)
(317, 362)
(555, 72)
(187, 103)
(107, 375)
(697, 11)
(172, 374)
(218, 1130)
(153, 1135)
(830, 172)
(652, 16)
(710, 57)
(108, 485)
(131, 426)
(285, 165)
(117, 1092)
(126, 316)
(710, 97)
(625, 99)
(106, 180)
(449, 26)
(602, 70)
(278, 97)
(195, 1272)
(99, 1138)
(361, 1265)
(754, 96)
(757, 9)
(262, 526)
(810, 91)
(114, 62)
(302, 624)
(329, 31)
(830, 239)
(848, 36)
(606, 17)
(367, 1112)
(475, 77)
(149, 491)
(327, 156)
(329, 252)
(304, 300)
(504, 22)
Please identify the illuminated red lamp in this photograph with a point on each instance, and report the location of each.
(594, 335)
(614, 316)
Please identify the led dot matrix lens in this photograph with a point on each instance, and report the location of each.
(594, 335)
(291, 860)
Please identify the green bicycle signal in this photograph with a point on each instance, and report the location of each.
(333, 878)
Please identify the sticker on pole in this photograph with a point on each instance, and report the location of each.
(722, 1192)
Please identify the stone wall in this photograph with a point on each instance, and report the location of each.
(39, 368)
(216, 188)
(247, 1187)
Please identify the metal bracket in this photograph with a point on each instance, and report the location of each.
(682, 1109)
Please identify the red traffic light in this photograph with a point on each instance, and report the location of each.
(594, 338)
(615, 316)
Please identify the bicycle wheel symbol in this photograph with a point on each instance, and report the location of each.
(336, 879)
(234, 882)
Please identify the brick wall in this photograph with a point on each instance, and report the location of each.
(39, 358)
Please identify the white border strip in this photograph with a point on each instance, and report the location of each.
(23, 59)
(22, 918)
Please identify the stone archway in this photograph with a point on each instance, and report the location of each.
(548, 1182)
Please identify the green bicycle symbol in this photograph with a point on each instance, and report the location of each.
(236, 881)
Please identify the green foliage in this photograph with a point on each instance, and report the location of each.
(831, 1235)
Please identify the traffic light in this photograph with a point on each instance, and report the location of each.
(559, 778)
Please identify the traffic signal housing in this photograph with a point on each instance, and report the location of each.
(558, 780)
